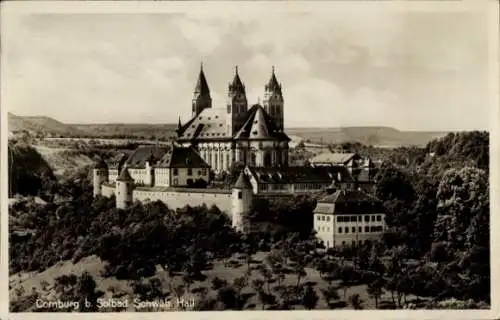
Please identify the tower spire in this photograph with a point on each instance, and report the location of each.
(201, 97)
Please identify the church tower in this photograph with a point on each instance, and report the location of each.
(273, 101)
(237, 104)
(201, 97)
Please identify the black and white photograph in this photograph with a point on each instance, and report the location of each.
(249, 156)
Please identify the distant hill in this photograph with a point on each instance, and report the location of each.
(41, 124)
(376, 136)
(144, 130)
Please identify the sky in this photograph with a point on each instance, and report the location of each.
(408, 70)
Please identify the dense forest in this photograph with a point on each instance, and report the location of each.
(437, 244)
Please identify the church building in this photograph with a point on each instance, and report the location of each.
(237, 133)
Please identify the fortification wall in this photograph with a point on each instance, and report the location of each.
(179, 198)
(107, 190)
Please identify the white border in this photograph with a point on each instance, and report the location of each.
(15, 7)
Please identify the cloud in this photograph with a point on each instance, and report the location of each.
(203, 36)
(337, 68)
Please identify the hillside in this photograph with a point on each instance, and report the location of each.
(376, 136)
(148, 131)
(41, 124)
(29, 172)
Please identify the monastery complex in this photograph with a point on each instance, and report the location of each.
(217, 140)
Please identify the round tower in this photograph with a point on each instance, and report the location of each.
(100, 175)
(124, 189)
(241, 201)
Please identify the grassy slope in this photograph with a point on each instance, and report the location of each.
(61, 159)
(94, 266)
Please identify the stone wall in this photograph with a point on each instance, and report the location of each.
(179, 198)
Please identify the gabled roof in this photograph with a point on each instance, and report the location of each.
(143, 154)
(300, 174)
(349, 202)
(209, 124)
(118, 161)
(259, 126)
(335, 158)
(180, 157)
(243, 182)
(124, 175)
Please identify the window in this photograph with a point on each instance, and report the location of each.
(176, 171)
(379, 218)
(318, 218)
(346, 229)
(323, 218)
(367, 229)
(199, 172)
(367, 218)
(353, 229)
(340, 230)
(360, 218)
(373, 218)
(340, 219)
(354, 218)
(360, 230)
(240, 195)
(327, 218)
(190, 171)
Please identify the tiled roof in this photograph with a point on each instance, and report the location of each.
(208, 125)
(349, 201)
(259, 126)
(243, 182)
(180, 157)
(118, 161)
(300, 174)
(336, 158)
(141, 155)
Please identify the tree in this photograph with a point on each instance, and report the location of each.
(309, 297)
(265, 298)
(462, 194)
(348, 276)
(355, 301)
(375, 290)
(330, 295)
